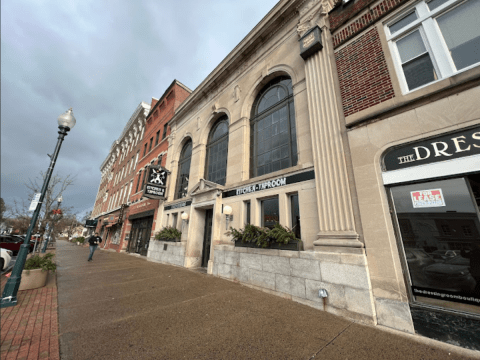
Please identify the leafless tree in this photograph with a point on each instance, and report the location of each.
(56, 188)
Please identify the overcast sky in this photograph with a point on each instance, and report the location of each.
(102, 58)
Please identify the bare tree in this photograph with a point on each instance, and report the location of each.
(56, 188)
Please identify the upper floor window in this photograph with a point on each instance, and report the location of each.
(434, 40)
(144, 149)
(157, 137)
(150, 146)
(164, 135)
(217, 152)
(183, 171)
(273, 140)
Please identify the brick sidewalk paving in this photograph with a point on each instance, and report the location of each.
(29, 330)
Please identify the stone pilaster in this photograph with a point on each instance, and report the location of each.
(336, 220)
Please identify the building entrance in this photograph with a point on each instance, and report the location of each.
(140, 236)
(207, 237)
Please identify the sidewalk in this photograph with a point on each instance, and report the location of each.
(124, 307)
(29, 330)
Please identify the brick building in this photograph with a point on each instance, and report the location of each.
(152, 150)
(409, 75)
(118, 174)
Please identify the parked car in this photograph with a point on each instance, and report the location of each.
(6, 257)
(13, 243)
(441, 255)
(418, 260)
(451, 275)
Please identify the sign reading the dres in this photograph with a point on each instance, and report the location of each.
(270, 184)
(427, 198)
(448, 147)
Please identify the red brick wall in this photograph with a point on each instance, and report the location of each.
(339, 17)
(363, 73)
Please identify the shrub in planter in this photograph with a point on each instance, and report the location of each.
(81, 239)
(35, 271)
(168, 233)
(38, 262)
(255, 236)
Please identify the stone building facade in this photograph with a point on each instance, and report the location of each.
(409, 75)
(263, 136)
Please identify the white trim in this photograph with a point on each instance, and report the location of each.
(463, 165)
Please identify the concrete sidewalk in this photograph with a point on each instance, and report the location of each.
(29, 330)
(123, 307)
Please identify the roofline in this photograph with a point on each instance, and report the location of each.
(280, 12)
(175, 81)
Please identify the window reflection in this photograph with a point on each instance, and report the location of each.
(441, 237)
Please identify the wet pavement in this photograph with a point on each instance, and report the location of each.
(121, 306)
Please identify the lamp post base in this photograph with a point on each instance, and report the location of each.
(7, 302)
(9, 296)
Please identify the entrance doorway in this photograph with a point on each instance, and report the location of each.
(207, 237)
(140, 236)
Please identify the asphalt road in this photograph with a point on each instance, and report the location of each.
(124, 307)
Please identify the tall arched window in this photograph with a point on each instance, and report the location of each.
(217, 151)
(183, 171)
(273, 140)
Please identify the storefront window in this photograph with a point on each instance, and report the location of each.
(440, 233)
(270, 212)
(295, 215)
(247, 212)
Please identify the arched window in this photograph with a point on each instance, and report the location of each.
(183, 171)
(217, 151)
(273, 140)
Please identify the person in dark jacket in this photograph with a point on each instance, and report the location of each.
(93, 240)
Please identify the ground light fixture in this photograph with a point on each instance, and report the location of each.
(66, 122)
(227, 210)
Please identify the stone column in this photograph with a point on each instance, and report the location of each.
(336, 220)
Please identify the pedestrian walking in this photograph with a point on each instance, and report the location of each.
(93, 240)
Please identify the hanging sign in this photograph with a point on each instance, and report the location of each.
(427, 198)
(156, 185)
(34, 203)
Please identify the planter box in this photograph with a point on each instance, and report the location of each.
(33, 279)
(292, 246)
(169, 240)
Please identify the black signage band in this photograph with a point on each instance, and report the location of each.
(452, 146)
(179, 205)
(270, 184)
(142, 214)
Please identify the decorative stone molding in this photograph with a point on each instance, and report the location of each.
(204, 186)
(236, 93)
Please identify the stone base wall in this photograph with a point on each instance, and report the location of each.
(299, 275)
(174, 254)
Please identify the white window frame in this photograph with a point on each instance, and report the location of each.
(432, 37)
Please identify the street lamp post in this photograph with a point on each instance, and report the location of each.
(66, 122)
(45, 242)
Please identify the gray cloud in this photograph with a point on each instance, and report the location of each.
(102, 58)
